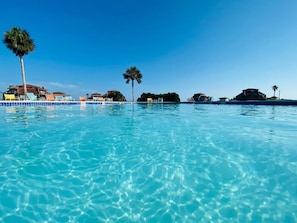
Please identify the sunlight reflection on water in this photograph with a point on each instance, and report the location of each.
(148, 163)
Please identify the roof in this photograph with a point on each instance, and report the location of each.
(59, 93)
(28, 86)
(200, 94)
(96, 94)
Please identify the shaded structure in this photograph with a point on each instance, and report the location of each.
(114, 95)
(18, 91)
(250, 94)
(223, 99)
(96, 97)
(159, 98)
(200, 97)
(59, 96)
(59, 93)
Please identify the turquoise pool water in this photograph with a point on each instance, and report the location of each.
(148, 163)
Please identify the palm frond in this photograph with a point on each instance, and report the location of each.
(132, 74)
(18, 41)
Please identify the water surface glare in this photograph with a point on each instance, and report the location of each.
(148, 163)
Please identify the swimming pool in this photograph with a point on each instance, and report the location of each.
(148, 163)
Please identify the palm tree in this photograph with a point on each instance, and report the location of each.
(274, 88)
(20, 43)
(132, 74)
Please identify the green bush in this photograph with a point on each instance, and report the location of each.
(168, 97)
(115, 95)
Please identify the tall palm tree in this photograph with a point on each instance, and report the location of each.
(132, 74)
(274, 88)
(20, 43)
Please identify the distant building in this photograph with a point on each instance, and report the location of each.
(18, 90)
(223, 99)
(149, 100)
(201, 97)
(59, 96)
(96, 97)
(250, 94)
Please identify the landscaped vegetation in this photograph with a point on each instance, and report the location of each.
(115, 95)
(168, 97)
(20, 43)
(132, 74)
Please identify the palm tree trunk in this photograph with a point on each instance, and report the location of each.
(132, 90)
(23, 77)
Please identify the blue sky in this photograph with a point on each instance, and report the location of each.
(215, 47)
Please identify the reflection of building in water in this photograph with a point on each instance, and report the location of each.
(50, 108)
(83, 105)
(10, 110)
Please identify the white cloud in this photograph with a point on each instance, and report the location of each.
(60, 85)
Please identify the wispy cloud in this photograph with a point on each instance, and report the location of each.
(69, 88)
(58, 85)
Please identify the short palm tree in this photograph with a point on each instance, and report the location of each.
(132, 74)
(274, 88)
(20, 43)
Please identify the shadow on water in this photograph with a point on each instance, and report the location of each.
(157, 108)
(251, 110)
(201, 108)
(114, 110)
(272, 112)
